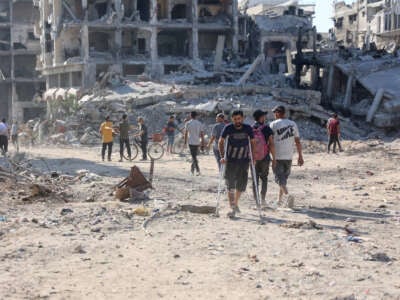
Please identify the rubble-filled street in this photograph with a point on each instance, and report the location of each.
(74, 240)
(200, 149)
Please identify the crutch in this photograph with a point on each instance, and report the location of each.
(253, 174)
(221, 175)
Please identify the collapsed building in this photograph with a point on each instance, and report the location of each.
(20, 83)
(278, 23)
(82, 39)
(367, 21)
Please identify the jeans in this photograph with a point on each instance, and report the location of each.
(262, 170)
(4, 143)
(217, 156)
(334, 139)
(194, 150)
(103, 150)
(171, 139)
(143, 146)
(125, 142)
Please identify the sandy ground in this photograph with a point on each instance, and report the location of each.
(99, 250)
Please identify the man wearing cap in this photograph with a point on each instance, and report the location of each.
(286, 137)
(215, 135)
(263, 136)
(194, 134)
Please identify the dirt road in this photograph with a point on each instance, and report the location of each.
(90, 246)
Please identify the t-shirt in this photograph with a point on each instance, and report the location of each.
(14, 129)
(238, 142)
(194, 128)
(144, 133)
(216, 132)
(333, 126)
(170, 128)
(285, 132)
(267, 131)
(124, 129)
(106, 131)
(3, 129)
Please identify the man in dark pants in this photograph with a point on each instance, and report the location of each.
(144, 140)
(333, 128)
(194, 134)
(240, 137)
(215, 135)
(124, 137)
(264, 141)
(4, 133)
(106, 132)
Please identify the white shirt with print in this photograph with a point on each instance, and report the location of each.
(285, 132)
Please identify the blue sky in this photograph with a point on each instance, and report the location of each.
(323, 14)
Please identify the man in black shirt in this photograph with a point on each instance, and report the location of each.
(263, 136)
(143, 137)
(237, 157)
(124, 137)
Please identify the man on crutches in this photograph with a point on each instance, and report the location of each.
(286, 137)
(236, 158)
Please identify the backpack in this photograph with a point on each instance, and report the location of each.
(261, 149)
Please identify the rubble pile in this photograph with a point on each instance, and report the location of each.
(156, 102)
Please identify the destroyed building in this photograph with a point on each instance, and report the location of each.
(277, 30)
(20, 83)
(82, 39)
(365, 21)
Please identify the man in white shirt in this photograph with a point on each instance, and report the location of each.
(286, 137)
(4, 136)
(194, 134)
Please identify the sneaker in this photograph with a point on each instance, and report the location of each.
(288, 200)
(198, 174)
(120, 160)
(236, 209)
(231, 214)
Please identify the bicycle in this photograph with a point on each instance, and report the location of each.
(155, 150)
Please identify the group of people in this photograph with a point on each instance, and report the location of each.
(108, 131)
(7, 133)
(236, 145)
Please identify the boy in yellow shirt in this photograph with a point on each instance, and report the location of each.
(106, 131)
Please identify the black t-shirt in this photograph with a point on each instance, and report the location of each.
(143, 129)
(238, 142)
(267, 131)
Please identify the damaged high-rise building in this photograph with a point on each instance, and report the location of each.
(367, 21)
(80, 39)
(20, 84)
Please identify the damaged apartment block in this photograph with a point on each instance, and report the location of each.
(20, 85)
(80, 39)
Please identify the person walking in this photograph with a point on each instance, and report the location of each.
(264, 146)
(4, 132)
(124, 137)
(14, 135)
(143, 137)
(106, 132)
(286, 137)
(237, 159)
(194, 135)
(333, 130)
(169, 130)
(215, 135)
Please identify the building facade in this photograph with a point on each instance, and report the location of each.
(80, 39)
(20, 84)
